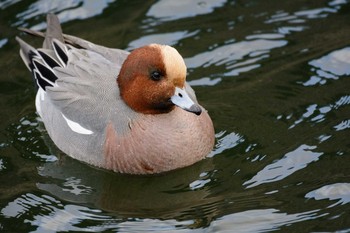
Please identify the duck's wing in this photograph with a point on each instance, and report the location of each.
(79, 83)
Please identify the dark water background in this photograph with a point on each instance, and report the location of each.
(275, 78)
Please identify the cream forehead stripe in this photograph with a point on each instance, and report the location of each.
(173, 62)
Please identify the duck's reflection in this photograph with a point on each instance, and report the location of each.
(160, 196)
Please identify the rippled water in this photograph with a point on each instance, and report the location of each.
(275, 78)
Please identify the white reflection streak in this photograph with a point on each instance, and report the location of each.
(227, 142)
(330, 67)
(3, 42)
(74, 186)
(6, 3)
(65, 219)
(336, 62)
(50, 215)
(342, 125)
(336, 191)
(237, 55)
(258, 221)
(171, 10)
(157, 225)
(205, 82)
(309, 111)
(290, 163)
(299, 16)
(69, 10)
(53, 216)
(318, 113)
(171, 38)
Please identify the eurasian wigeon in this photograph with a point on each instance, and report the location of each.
(127, 112)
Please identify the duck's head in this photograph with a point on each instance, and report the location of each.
(152, 81)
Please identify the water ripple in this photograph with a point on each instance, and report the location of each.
(329, 67)
(171, 38)
(53, 215)
(226, 142)
(238, 57)
(258, 221)
(166, 10)
(292, 162)
(26, 138)
(317, 113)
(302, 15)
(66, 11)
(338, 191)
(342, 125)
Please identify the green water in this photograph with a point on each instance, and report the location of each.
(275, 78)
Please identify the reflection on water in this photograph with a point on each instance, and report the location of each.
(164, 38)
(317, 114)
(329, 67)
(205, 82)
(56, 216)
(68, 10)
(290, 163)
(342, 125)
(273, 75)
(3, 42)
(226, 142)
(339, 191)
(258, 221)
(62, 217)
(166, 10)
(26, 135)
(238, 57)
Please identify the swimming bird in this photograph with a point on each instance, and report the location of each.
(130, 112)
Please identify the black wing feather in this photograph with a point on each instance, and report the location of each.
(41, 81)
(61, 54)
(45, 71)
(48, 59)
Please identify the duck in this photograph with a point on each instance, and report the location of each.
(129, 112)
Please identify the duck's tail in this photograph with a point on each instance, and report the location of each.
(41, 62)
(53, 31)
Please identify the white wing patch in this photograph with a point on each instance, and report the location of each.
(76, 127)
(40, 96)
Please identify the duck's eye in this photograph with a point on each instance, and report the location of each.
(156, 75)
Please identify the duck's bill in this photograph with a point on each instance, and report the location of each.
(183, 100)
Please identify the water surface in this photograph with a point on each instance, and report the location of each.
(275, 78)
